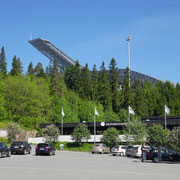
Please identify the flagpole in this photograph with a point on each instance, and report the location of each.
(165, 124)
(128, 115)
(94, 128)
(62, 126)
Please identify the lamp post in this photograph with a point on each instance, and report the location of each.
(128, 40)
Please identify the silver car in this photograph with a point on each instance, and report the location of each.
(100, 148)
(118, 150)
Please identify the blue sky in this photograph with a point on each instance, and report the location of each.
(93, 31)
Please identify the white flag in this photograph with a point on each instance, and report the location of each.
(167, 111)
(131, 111)
(96, 113)
(63, 113)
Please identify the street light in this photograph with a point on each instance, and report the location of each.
(128, 40)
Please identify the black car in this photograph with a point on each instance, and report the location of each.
(45, 148)
(166, 154)
(20, 147)
(4, 150)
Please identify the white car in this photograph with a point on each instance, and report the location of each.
(137, 152)
(118, 150)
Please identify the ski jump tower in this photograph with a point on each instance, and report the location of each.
(52, 52)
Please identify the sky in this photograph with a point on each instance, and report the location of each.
(93, 31)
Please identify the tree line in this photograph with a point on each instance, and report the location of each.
(38, 95)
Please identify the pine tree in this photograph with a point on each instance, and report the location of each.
(3, 63)
(30, 69)
(19, 66)
(39, 71)
(76, 74)
(56, 80)
(127, 90)
(113, 80)
(85, 83)
(14, 70)
(104, 93)
(94, 82)
(140, 103)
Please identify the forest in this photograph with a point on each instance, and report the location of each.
(36, 95)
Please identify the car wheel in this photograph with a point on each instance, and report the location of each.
(25, 152)
(50, 153)
(114, 154)
(30, 151)
(155, 160)
(9, 154)
(121, 154)
(92, 152)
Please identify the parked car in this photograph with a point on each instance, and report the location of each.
(119, 150)
(137, 152)
(166, 154)
(45, 148)
(129, 150)
(100, 148)
(4, 150)
(20, 147)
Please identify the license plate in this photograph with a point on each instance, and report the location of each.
(41, 149)
(15, 146)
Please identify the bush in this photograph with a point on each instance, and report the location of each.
(51, 133)
(80, 133)
(13, 131)
(111, 137)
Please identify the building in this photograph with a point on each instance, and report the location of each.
(68, 128)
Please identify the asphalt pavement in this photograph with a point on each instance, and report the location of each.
(84, 166)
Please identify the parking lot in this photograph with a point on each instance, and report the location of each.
(79, 165)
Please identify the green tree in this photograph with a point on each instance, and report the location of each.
(13, 131)
(104, 93)
(157, 135)
(135, 132)
(51, 133)
(75, 77)
(80, 133)
(56, 80)
(94, 82)
(85, 81)
(140, 103)
(3, 63)
(25, 99)
(111, 137)
(127, 89)
(30, 69)
(39, 71)
(174, 139)
(16, 67)
(113, 80)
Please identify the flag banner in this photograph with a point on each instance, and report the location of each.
(63, 113)
(96, 113)
(131, 111)
(167, 111)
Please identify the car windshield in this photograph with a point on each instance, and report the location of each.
(97, 145)
(135, 148)
(42, 145)
(123, 147)
(17, 143)
(115, 147)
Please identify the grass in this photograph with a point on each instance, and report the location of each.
(71, 146)
(3, 125)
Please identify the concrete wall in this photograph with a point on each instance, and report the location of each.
(68, 138)
(3, 133)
